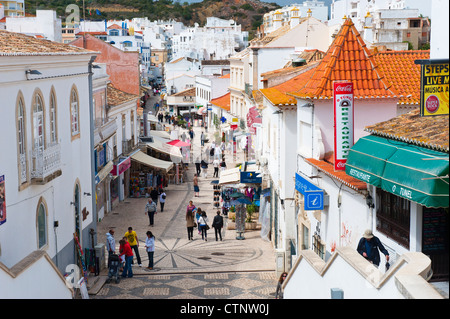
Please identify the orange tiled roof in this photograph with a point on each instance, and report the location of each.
(117, 97)
(277, 94)
(400, 70)
(328, 169)
(115, 26)
(347, 59)
(425, 131)
(223, 102)
(12, 43)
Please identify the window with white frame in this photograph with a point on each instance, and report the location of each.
(53, 134)
(74, 113)
(21, 135)
(38, 124)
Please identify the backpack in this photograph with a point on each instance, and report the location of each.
(163, 196)
(211, 152)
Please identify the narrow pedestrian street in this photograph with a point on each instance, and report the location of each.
(188, 269)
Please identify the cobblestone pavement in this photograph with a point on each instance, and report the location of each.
(231, 268)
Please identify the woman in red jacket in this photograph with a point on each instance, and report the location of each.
(127, 270)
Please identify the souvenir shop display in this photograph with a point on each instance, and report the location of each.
(216, 196)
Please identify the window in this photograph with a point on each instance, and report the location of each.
(318, 246)
(21, 135)
(74, 113)
(393, 217)
(38, 125)
(41, 224)
(53, 135)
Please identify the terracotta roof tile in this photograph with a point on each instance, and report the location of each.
(400, 70)
(223, 102)
(117, 97)
(347, 54)
(425, 131)
(328, 169)
(12, 43)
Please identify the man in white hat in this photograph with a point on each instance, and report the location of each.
(368, 247)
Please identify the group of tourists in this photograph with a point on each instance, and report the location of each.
(127, 245)
(197, 218)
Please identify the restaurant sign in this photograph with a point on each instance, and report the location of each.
(343, 122)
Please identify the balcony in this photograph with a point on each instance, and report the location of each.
(127, 146)
(45, 164)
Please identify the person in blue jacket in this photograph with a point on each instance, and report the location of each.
(368, 247)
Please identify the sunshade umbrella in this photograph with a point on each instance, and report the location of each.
(241, 200)
(237, 195)
(178, 143)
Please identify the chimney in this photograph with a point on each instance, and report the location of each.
(277, 20)
(294, 18)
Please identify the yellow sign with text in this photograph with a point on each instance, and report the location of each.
(434, 89)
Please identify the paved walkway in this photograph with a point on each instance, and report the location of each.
(189, 269)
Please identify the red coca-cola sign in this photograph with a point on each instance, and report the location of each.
(343, 88)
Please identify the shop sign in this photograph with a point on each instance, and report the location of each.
(250, 177)
(313, 195)
(343, 122)
(2, 200)
(121, 167)
(434, 90)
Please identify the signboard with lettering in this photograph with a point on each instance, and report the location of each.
(313, 195)
(250, 177)
(434, 91)
(343, 122)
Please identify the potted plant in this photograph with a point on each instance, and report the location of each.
(232, 213)
(249, 223)
(232, 222)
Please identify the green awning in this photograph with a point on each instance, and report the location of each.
(409, 171)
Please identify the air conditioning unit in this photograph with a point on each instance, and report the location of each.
(280, 255)
(100, 254)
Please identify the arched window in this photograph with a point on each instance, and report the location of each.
(38, 124)
(21, 143)
(74, 112)
(41, 224)
(53, 126)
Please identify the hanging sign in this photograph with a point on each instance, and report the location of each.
(343, 122)
(313, 195)
(434, 90)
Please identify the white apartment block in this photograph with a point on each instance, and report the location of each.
(287, 14)
(219, 39)
(45, 25)
(12, 8)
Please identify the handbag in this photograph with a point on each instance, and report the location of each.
(207, 227)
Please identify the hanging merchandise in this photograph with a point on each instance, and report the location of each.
(80, 256)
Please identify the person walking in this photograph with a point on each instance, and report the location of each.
(128, 253)
(217, 224)
(223, 165)
(368, 247)
(204, 167)
(203, 225)
(279, 292)
(150, 209)
(150, 247)
(202, 138)
(196, 188)
(110, 243)
(190, 222)
(133, 241)
(216, 164)
(162, 199)
(154, 195)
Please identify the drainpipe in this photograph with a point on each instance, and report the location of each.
(91, 146)
(255, 68)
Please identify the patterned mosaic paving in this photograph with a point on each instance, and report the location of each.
(248, 285)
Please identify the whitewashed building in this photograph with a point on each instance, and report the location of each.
(47, 185)
(45, 25)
